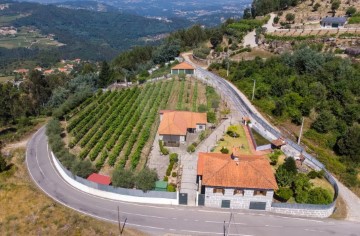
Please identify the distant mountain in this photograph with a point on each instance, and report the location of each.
(86, 34)
(206, 12)
(87, 5)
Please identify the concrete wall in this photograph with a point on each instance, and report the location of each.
(307, 210)
(236, 201)
(106, 194)
(200, 127)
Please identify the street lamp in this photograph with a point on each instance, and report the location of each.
(253, 93)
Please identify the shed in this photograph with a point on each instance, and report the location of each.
(183, 68)
(99, 179)
(161, 186)
(333, 22)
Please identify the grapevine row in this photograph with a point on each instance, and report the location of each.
(73, 123)
(129, 128)
(140, 123)
(146, 129)
(195, 97)
(181, 95)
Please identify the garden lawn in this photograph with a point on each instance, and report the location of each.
(230, 142)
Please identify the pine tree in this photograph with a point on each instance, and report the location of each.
(105, 74)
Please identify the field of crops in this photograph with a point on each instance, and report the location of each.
(114, 128)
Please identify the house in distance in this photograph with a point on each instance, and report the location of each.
(183, 68)
(333, 22)
(235, 181)
(175, 125)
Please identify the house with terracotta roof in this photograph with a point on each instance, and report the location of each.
(183, 68)
(175, 125)
(235, 181)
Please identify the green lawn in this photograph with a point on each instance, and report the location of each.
(230, 142)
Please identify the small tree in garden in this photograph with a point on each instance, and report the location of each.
(335, 4)
(276, 19)
(351, 11)
(290, 17)
(319, 196)
(122, 178)
(290, 165)
(146, 179)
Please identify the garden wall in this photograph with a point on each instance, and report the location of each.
(110, 192)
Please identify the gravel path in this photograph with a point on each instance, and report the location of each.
(352, 202)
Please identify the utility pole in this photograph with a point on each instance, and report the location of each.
(228, 228)
(301, 130)
(253, 93)
(120, 232)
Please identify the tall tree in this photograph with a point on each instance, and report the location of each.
(105, 74)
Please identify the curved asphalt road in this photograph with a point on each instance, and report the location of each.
(158, 220)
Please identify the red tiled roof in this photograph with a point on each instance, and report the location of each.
(278, 142)
(177, 122)
(248, 171)
(100, 179)
(183, 66)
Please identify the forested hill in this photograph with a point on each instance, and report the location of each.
(263, 7)
(87, 34)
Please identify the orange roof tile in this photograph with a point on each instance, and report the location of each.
(249, 171)
(278, 142)
(177, 122)
(183, 66)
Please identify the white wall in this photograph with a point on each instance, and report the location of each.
(110, 195)
(198, 129)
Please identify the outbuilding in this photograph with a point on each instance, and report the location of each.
(175, 125)
(333, 22)
(183, 68)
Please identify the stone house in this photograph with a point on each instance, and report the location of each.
(333, 22)
(183, 68)
(175, 125)
(235, 181)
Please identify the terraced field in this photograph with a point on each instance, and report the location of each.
(117, 128)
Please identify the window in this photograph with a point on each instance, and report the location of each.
(201, 127)
(239, 192)
(259, 193)
(219, 190)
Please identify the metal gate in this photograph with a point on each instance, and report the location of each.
(225, 204)
(257, 205)
(201, 200)
(183, 198)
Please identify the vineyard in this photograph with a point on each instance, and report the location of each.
(117, 128)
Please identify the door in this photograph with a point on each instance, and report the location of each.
(257, 205)
(201, 200)
(183, 198)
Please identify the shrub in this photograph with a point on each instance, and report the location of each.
(284, 178)
(202, 135)
(194, 144)
(122, 178)
(232, 131)
(224, 150)
(146, 179)
(319, 196)
(173, 174)
(284, 193)
(290, 165)
(301, 197)
(166, 178)
(202, 108)
(171, 188)
(312, 174)
(211, 117)
(174, 157)
(163, 150)
(274, 157)
(191, 149)
(351, 11)
(82, 168)
(276, 19)
(169, 169)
